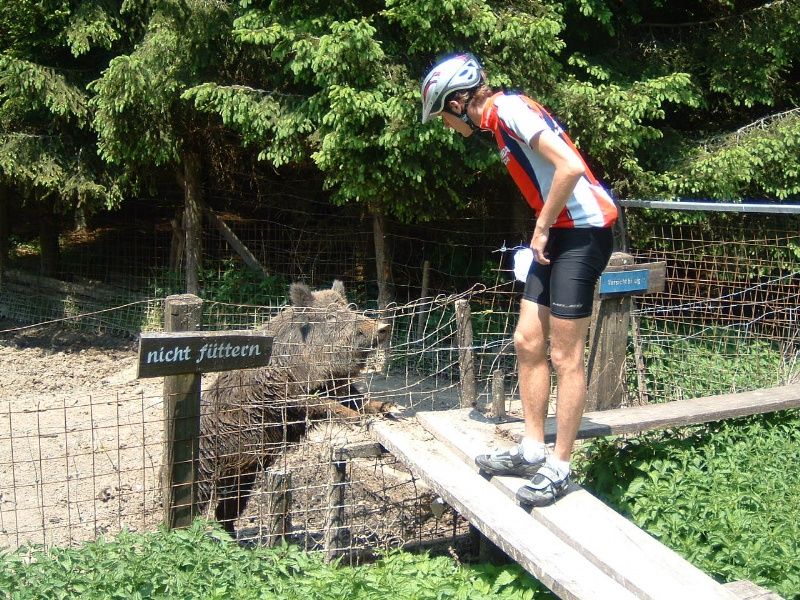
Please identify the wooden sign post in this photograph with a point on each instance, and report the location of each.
(608, 334)
(180, 355)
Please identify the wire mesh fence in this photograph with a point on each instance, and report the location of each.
(70, 477)
(86, 459)
(81, 438)
(728, 318)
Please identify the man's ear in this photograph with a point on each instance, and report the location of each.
(454, 106)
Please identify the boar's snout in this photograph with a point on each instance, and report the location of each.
(374, 332)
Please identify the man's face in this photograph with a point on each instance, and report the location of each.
(453, 122)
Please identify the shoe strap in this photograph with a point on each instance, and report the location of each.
(513, 451)
(551, 474)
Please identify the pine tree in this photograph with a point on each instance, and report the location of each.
(49, 51)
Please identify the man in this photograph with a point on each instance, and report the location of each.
(571, 243)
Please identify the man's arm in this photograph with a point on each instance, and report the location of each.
(569, 169)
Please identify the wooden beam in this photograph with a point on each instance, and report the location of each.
(358, 450)
(611, 543)
(249, 259)
(678, 413)
(548, 558)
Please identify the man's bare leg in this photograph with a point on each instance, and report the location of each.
(530, 342)
(568, 344)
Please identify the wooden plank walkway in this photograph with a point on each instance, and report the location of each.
(609, 541)
(673, 414)
(550, 559)
(579, 547)
(746, 590)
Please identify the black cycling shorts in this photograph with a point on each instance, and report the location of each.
(566, 285)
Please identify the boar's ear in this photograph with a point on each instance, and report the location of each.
(301, 295)
(338, 287)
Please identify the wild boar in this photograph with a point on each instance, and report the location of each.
(321, 345)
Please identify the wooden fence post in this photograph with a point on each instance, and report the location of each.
(498, 394)
(181, 421)
(608, 333)
(278, 484)
(335, 515)
(422, 315)
(609, 345)
(466, 357)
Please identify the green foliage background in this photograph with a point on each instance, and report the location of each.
(668, 99)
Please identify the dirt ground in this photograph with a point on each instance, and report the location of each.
(80, 450)
(79, 441)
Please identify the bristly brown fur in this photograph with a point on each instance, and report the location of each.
(321, 344)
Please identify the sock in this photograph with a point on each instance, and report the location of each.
(532, 451)
(562, 467)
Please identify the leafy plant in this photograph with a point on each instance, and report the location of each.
(236, 285)
(202, 562)
(722, 495)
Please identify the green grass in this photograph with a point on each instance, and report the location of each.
(203, 563)
(726, 496)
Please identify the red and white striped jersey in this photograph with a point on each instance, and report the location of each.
(515, 119)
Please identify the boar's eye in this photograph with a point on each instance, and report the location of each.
(339, 315)
(305, 329)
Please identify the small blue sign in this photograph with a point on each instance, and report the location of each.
(624, 282)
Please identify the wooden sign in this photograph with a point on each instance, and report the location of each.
(619, 282)
(175, 353)
(623, 277)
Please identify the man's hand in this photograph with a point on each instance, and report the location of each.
(538, 242)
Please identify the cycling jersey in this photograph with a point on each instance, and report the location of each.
(515, 120)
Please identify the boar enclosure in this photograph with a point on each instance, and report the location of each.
(81, 438)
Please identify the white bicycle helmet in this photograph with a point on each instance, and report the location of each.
(460, 72)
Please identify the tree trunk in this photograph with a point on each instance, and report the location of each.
(48, 240)
(383, 262)
(81, 222)
(5, 229)
(189, 178)
(178, 242)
